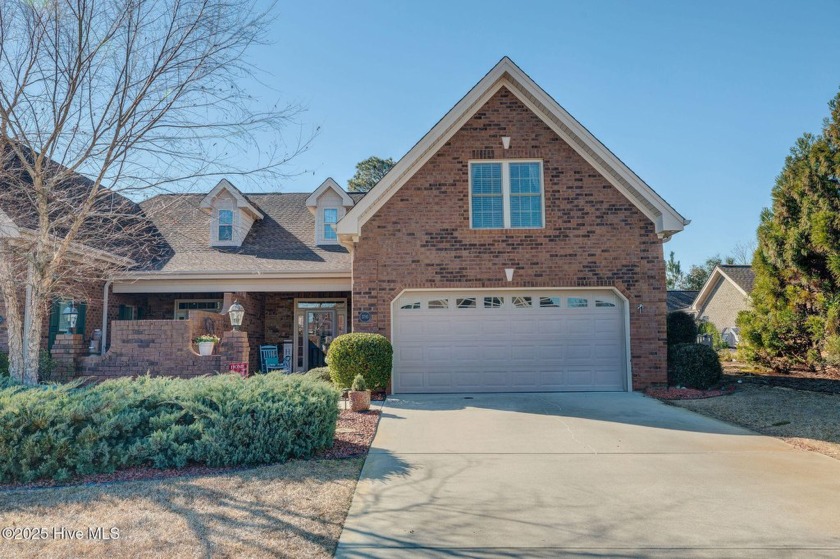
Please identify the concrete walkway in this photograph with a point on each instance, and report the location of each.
(584, 475)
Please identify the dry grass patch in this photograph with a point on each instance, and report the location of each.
(295, 509)
(809, 420)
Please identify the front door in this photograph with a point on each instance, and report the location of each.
(317, 323)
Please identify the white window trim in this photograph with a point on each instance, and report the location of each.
(327, 240)
(216, 224)
(505, 163)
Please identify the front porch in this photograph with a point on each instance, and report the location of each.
(302, 324)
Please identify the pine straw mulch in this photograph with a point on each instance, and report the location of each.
(353, 436)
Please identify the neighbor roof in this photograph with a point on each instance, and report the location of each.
(282, 242)
(507, 74)
(679, 300)
(742, 277)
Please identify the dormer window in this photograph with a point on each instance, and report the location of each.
(330, 219)
(225, 225)
(231, 215)
(329, 203)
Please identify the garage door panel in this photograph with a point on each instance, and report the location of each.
(509, 348)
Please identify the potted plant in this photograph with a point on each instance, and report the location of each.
(205, 344)
(359, 395)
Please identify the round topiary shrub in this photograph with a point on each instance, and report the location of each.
(681, 329)
(369, 355)
(693, 366)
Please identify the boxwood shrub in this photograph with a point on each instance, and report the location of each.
(358, 353)
(62, 431)
(681, 329)
(693, 366)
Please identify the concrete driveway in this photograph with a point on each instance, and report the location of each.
(584, 475)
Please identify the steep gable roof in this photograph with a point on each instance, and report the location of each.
(742, 277)
(329, 184)
(242, 201)
(507, 74)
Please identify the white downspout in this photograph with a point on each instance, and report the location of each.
(102, 348)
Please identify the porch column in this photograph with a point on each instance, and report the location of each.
(234, 348)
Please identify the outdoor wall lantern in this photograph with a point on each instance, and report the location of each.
(71, 313)
(236, 312)
(506, 142)
(509, 273)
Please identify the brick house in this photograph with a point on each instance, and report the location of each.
(509, 250)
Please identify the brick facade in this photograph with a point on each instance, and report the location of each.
(593, 235)
(160, 347)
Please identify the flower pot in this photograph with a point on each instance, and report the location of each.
(205, 348)
(360, 401)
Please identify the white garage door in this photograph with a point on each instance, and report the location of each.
(507, 341)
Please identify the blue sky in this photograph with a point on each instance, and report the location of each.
(703, 100)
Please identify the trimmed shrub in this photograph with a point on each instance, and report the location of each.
(319, 373)
(369, 355)
(681, 329)
(59, 432)
(693, 366)
(359, 384)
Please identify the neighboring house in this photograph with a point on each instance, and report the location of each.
(679, 300)
(723, 296)
(509, 250)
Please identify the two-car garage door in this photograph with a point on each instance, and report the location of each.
(509, 341)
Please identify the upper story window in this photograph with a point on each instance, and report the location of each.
(225, 225)
(330, 219)
(506, 194)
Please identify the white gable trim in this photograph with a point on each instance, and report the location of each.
(241, 202)
(8, 228)
(708, 287)
(312, 201)
(506, 74)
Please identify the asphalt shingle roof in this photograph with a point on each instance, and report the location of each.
(678, 300)
(741, 275)
(283, 241)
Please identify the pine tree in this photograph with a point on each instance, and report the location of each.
(795, 315)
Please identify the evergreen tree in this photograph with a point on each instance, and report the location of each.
(795, 315)
(369, 172)
(673, 272)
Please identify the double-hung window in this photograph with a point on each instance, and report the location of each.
(506, 194)
(330, 219)
(225, 225)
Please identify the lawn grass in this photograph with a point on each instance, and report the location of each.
(295, 509)
(805, 419)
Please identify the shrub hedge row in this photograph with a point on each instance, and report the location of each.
(62, 431)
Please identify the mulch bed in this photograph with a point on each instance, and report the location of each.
(353, 435)
(673, 393)
(827, 381)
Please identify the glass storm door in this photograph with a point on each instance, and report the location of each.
(320, 331)
(317, 323)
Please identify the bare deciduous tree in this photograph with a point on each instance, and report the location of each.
(103, 102)
(743, 252)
